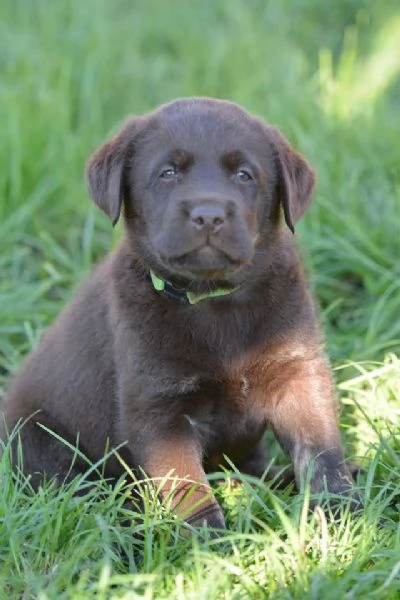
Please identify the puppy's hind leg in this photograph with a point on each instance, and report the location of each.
(41, 455)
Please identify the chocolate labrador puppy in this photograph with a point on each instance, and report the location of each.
(199, 331)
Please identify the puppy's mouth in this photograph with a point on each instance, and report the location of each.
(205, 263)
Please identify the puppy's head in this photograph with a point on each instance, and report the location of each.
(203, 185)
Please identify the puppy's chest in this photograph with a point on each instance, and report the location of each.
(221, 412)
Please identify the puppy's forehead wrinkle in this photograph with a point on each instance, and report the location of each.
(220, 146)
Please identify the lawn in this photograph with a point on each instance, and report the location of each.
(327, 74)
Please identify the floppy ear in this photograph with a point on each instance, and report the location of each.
(296, 179)
(106, 169)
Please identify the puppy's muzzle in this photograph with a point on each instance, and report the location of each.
(204, 233)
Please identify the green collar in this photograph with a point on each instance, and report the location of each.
(168, 289)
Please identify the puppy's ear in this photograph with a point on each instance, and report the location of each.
(296, 179)
(105, 171)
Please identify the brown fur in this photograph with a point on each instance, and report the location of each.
(209, 194)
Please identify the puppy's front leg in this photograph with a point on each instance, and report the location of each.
(303, 417)
(176, 463)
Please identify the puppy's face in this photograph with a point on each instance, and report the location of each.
(203, 184)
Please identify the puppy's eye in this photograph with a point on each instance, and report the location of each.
(243, 175)
(169, 173)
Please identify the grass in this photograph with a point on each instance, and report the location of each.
(329, 78)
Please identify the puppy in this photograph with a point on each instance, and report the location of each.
(199, 331)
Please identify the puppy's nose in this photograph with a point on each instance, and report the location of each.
(207, 217)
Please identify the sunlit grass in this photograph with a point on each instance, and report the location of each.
(81, 546)
(357, 83)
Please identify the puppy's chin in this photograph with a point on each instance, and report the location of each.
(204, 264)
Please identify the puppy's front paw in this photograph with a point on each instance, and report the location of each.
(210, 516)
(344, 498)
